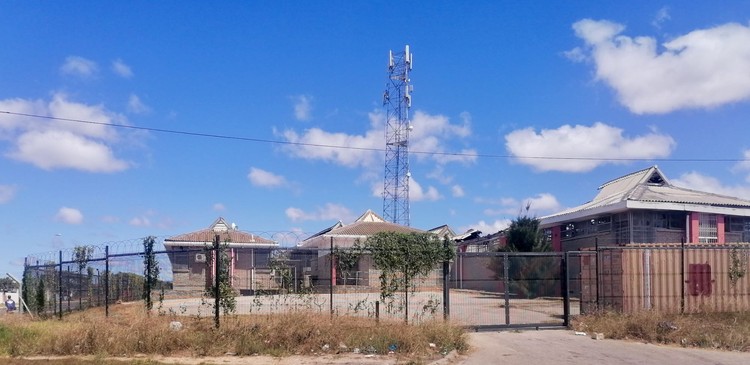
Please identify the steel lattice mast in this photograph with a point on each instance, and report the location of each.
(397, 101)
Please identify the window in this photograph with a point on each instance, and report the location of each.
(587, 227)
(707, 228)
(622, 227)
(737, 229)
(180, 260)
(669, 220)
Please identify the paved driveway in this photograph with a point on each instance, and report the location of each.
(564, 347)
(471, 308)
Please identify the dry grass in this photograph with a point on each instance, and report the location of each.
(727, 331)
(128, 331)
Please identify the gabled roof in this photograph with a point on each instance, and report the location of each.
(471, 233)
(649, 189)
(366, 225)
(227, 233)
(443, 231)
(324, 231)
(650, 176)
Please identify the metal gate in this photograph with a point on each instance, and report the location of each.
(517, 289)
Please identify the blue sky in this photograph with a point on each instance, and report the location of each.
(655, 83)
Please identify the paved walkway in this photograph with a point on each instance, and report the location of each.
(564, 347)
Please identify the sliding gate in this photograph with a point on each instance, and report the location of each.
(515, 290)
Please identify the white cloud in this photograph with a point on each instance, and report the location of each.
(110, 219)
(263, 178)
(417, 193)
(661, 16)
(488, 228)
(701, 69)
(744, 166)
(538, 204)
(59, 144)
(576, 54)
(140, 222)
(586, 147)
(218, 207)
(329, 212)
(136, 106)
(62, 149)
(544, 202)
(697, 181)
(438, 173)
(359, 151)
(7, 193)
(303, 107)
(431, 133)
(69, 216)
(79, 66)
(152, 219)
(121, 69)
(457, 191)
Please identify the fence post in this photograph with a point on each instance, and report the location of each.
(106, 281)
(682, 275)
(506, 284)
(565, 285)
(597, 272)
(59, 288)
(333, 279)
(68, 295)
(446, 286)
(217, 292)
(21, 291)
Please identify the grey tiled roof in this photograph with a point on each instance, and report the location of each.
(231, 236)
(649, 186)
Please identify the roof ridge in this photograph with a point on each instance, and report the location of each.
(369, 213)
(626, 176)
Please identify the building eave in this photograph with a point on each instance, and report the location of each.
(552, 220)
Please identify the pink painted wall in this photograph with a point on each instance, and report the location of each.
(720, 228)
(694, 230)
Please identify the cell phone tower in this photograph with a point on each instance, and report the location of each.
(397, 102)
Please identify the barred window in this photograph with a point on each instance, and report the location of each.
(708, 231)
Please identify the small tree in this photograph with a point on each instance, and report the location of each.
(150, 271)
(279, 265)
(346, 259)
(402, 257)
(39, 298)
(7, 284)
(528, 276)
(524, 236)
(227, 295)
(81, 256)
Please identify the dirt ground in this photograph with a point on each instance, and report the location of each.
(344, 359)
(506, 347)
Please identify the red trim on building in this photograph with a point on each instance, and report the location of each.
(694, 227)
(556, 239)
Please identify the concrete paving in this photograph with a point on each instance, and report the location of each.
(470, 308)
(565, 347)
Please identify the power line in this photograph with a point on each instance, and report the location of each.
(320, 145)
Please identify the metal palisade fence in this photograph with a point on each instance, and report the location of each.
(475, 289)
